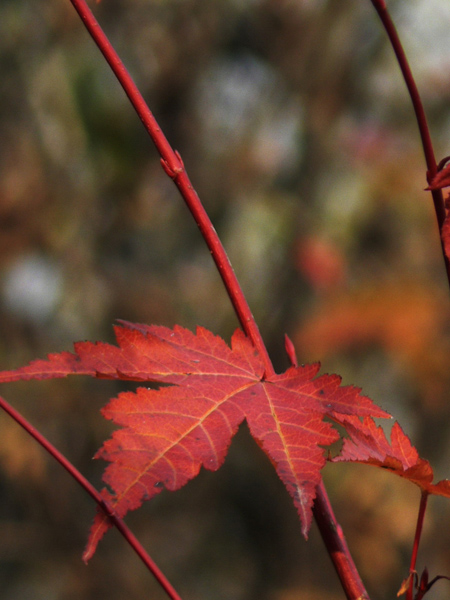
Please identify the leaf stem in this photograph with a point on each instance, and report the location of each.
(174, 167)
(419, 526)
(103, 505)
(424, 130)
(336, 544)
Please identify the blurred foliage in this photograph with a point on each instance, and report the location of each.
(297, 132)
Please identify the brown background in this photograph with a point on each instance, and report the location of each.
(299, 137)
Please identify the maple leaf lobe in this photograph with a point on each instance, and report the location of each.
(368, 444)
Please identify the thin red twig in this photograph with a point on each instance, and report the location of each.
(115, 520)
(419, 526)
(438, 200)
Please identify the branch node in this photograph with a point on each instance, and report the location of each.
(174, 172)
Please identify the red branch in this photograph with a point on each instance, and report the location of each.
(438, 200)
(420, 519)
(103, 505)
(174, 167)
(331, 531)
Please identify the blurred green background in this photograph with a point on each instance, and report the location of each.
(297, 132)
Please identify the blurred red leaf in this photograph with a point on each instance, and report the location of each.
(320, 262)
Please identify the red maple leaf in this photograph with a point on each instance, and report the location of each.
(367, 443)
(168, 434)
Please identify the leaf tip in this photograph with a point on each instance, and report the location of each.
(88, 554)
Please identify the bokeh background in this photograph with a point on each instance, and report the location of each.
(298, 134)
